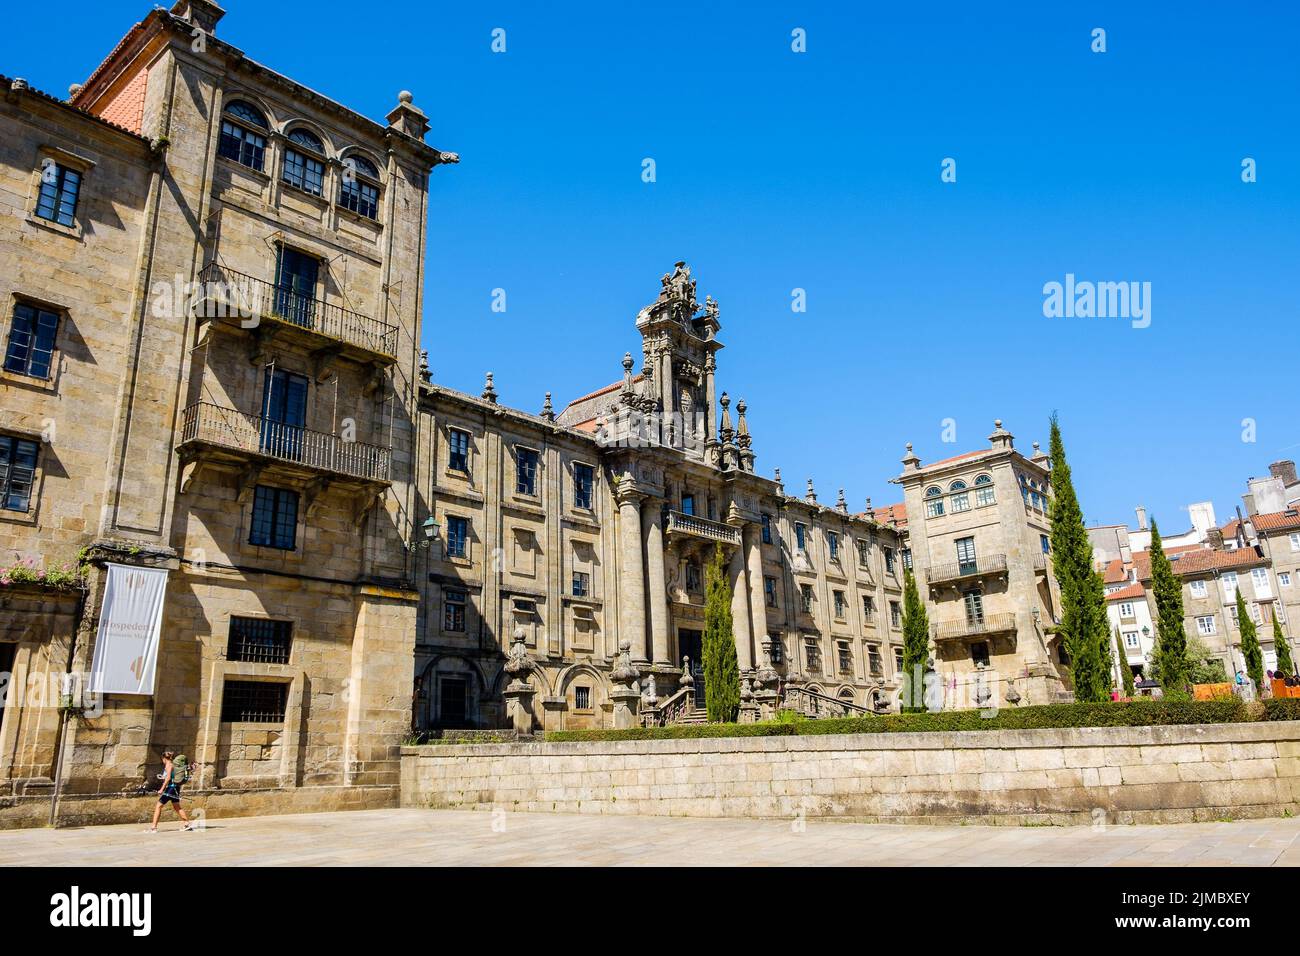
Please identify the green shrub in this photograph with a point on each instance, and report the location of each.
(1282, 708)
(1137, 713)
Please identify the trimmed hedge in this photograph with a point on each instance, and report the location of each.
(1138, 713)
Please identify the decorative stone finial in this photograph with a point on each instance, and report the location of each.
(73, 90)
(870, 510)
(405, 96)
(776, 476)
(426, 373)
(910, 460)
(810, 495)
(1001, 438)
(841, 504)
(489, 391)
(548, 411)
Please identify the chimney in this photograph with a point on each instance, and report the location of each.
(1142, 517)
(1214, 537)
(1285, 470)
(202, 13)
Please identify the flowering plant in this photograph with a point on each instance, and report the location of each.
(24, 571)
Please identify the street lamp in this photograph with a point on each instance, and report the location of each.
(430, 529)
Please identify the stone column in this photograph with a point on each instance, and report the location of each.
(740, 618)
(757, 599)
(631, 598)
(656, 589)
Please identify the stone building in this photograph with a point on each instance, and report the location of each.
(573, 532)
(978, 532)
(213, 283)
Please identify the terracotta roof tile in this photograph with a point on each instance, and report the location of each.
(1277, 521)
(1128, 593)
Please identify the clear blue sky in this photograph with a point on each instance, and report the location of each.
(821, 170)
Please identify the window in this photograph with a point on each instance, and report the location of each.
(895, 614)
(457, 537)
(767, 529)
(295, 286)
(840, 605)
(1295, 542)
(582, 698)
(1259, 579)
(275, 518)
(984, 491)
(31, 341)
(868, 607)
(355, 192)
(581, 584)
(974, 602)
(458, 450)
(933, 502)
(966, 563)
(301, 170)
(688, 504)
(1126, 609)
(1205, 625)
(806, 598)
(889, 560)
(526, 471)
(979, 652)
(874, 663)
(284, 414)
(692, 576)
(845, 655)
(453, 611)
(898, 660)
(259, 641)
(1284, 579)
(253, 702)
(1199, 589)
(960, 499)
(240, 139)
(1232, 613)
(17, 472)
(776, 649)
(907, 558)
(1045, 543)
(60, 187)
(864, 552)
(769, 591)
(1230, 585)
(801, 536)
(584, 477)
(1131, 639)
(833, 545)
(813, 653)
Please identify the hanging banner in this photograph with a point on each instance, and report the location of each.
(130, 623)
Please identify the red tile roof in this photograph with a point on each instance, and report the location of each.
(601, 391)
(962, 457)
(1128, 593)
(1277, 521)
(889, 514)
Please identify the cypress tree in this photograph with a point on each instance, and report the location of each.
(1250, 644)
(1173, 669)
(1125, 672)
(721, 668)
(1084, 629)
(1285, 665)
(916, 645)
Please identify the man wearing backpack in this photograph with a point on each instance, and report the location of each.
(176, 772)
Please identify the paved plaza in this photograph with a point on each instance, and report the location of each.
(469, 838)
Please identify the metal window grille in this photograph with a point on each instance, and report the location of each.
(582, 698)
(259, 641)
(253, 702)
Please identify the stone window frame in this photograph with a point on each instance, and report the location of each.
(470, 454)
(843, 649)
(299, 525)
(468, 556)
(588, 510)
(32, 515)
(769, 591)
(50, 382)
(84, 167)
(833, 549)
(1213, 625)
(807, 598)
(376, 182)
(207, 758)
(268, 133)
(536, 495)
(579, 708)
(307, 152)
(840, 604)
(444, 602)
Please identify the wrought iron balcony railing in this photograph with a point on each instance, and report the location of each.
(230, 294)
(984, 564)
(974, 626)
(206, 423)
(697, 527)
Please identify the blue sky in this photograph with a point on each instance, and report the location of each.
(821, 171)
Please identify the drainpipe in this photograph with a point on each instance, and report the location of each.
(65, 710)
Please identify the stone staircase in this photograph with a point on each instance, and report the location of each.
(696, 715)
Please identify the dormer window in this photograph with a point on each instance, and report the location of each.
(359, 189)
(304, 166)
(243, 134)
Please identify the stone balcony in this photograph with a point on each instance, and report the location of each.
(974, 627)
(682, 525)
(269, 309)
(224, 434)
(980, 567)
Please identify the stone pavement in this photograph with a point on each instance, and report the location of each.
(468, 838)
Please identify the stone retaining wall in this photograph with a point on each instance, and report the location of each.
(1076, 775)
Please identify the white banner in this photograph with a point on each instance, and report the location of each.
(130, 623)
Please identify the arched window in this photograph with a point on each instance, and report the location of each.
(934, 502)
(301, 170)
(984, 494)
(243, 134)
(960, 500)
(359, 188)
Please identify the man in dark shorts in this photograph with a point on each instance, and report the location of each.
(169, 792)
